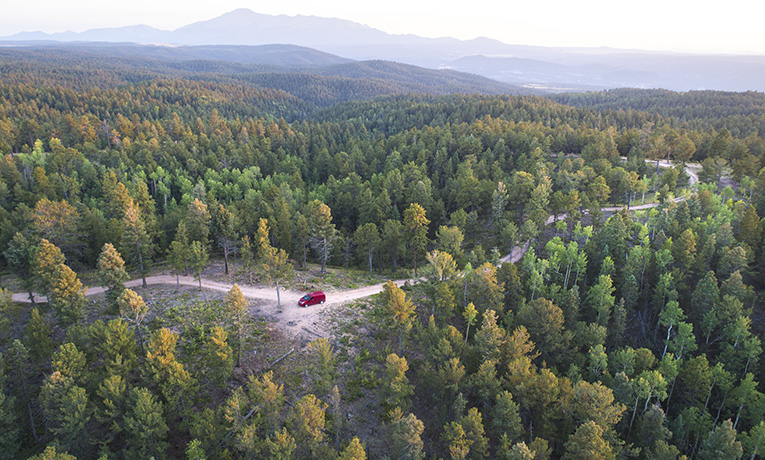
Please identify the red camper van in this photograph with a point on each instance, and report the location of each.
(312, 298)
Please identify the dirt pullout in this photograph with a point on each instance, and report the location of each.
(307, 322)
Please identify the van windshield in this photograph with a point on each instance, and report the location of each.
(306, 297)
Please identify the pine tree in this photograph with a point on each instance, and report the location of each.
(721, 444)
(136, 240)
(274, 265)
(20, 256)
(218, 356)
(69, 361)
(518, 451)
(235, 305)
(506, 419)
(323, 232)
(111, 404)
(194, 450)
(269, 396)
(416, 225)
(198, 222)
(750, 229)
(112, 273)
(165, 371)
(324, 365)
(66, 409)
(178, 252)
(281, 445)
(115, 348)
(39, 336)
(398, 390)
(587, 443)
(399, 310)
(489, 339)
(51, 453)
(56, 221)
(368, 237)
(405, 435)
(132, 307)
(198, 258)
(247, 257)
(67, 296)
(225, 225)
(145, 427)
(353, 451)
(307, 420)
(47, 258)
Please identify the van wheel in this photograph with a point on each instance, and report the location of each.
(321, 301)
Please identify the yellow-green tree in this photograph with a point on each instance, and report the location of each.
(111, 273)
(398, 390)
(368, 237)
(323, 232)
(399, 310)
(281, 445)
(587, 443)
(39, 336)
(324, 363)
(67, 296)
(136, 240)
(178, 252)
(218, 356)
(416, 225)
(198, 222)
(46, 260)
(66, 409)
(145, 427)
(405, 435)
(269, 398)
(247, 259)
(353, 451)
(236, 306)
(198, 258)
(165, 371)
(50, 453)
(274, 263)
(132, 307)
(57, 222)
(307, 421)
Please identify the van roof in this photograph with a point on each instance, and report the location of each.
(317, 293)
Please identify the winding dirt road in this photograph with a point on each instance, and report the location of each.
(309, 322)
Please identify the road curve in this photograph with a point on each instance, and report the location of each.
(517, 253)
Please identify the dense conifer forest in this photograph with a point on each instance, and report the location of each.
(579, 277)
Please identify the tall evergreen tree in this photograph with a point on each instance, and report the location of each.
(112, 273)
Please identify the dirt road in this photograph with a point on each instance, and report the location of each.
(297, 321)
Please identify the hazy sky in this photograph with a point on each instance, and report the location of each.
(732, 26)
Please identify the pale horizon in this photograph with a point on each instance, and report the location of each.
(651, 25)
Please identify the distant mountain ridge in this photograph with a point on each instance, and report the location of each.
(551, 69)
(315, 77)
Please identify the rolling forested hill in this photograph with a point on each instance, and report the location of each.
(318, 78)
